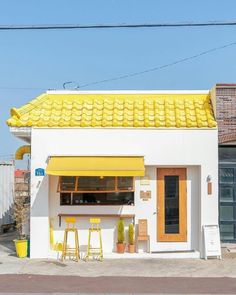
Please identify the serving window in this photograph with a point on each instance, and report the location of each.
(96, 184)
(86, 190)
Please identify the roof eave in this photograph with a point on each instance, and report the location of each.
(23, 133)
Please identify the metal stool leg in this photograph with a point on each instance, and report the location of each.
(77, 255)
(101, 250)
(88, 247)
(63, 256)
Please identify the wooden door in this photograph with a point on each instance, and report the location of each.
(171, 205)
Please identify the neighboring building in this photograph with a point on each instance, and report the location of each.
(6, 193)
(22, 191)
(225, 101)
(132, 154)
(22, 184)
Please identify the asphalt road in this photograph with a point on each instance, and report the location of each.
(71, 284)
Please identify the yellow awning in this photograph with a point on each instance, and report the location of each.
(96, 166)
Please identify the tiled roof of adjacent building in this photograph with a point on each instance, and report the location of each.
(79, 109)
(20, 172)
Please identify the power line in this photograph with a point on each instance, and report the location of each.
(116, 26)
(159, 67)
(182, 60)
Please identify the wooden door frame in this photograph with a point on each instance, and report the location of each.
(182, 235)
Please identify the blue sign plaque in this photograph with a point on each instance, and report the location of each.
(39, 172)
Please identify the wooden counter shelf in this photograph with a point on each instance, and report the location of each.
(95, 215)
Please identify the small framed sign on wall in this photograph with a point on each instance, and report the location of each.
(145, 180)
(39, 172)
(145, 195)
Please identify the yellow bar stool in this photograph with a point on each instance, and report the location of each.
(67, 251)
(94, 227)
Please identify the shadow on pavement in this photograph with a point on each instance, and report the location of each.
(7, 247)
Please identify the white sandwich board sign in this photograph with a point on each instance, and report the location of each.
(212, 241)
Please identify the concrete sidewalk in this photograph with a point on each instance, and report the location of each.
(10, 264)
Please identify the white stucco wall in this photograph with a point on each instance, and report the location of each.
(191, 148)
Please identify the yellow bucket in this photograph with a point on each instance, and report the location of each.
(21, 248)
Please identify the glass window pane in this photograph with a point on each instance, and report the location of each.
(96, 183)
(226, 213)
(227, 231)
(77, 199)
(120, 198)
(171, 204)
(67, 183)
(65, 199)
(226, 193)
(226, 175)
(125, 183)
(227, 154)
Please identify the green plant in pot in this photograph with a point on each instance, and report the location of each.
(21, 209)
(131, 246)
(120, 245)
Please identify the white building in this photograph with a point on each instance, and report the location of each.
(133, 154)
(6, 194)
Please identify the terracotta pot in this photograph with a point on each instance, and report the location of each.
(120, 247)
(131, 248)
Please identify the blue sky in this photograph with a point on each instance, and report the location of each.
(45, 59)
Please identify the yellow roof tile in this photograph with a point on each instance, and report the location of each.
(116, 110)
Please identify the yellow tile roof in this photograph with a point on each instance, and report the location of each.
(116, 110)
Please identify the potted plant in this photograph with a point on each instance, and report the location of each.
(21, 209)
(120, 245)
(131, 246)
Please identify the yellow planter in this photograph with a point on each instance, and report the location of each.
(21, 248)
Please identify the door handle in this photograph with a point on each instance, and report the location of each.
(154, 213)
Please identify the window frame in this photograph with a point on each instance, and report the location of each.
(95, 204)
(223, 203)
(116, 190)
